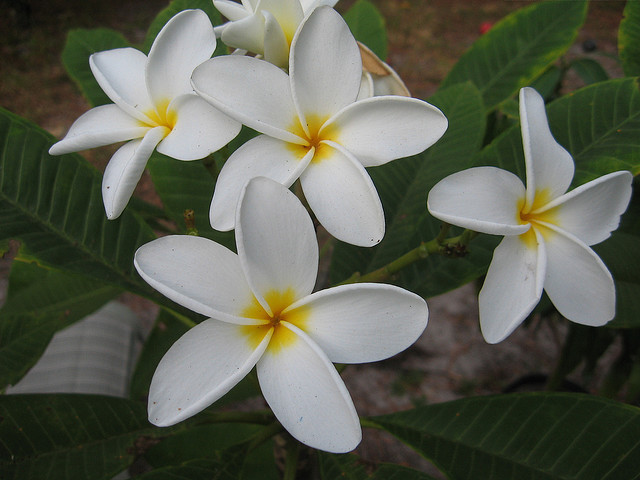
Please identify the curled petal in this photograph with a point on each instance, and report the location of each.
(125, 169)
(343, 197)
(306, 393)
(325, 66)
(384, 79)
(196, 273)
(592, 211)
(231, 10)
(203, 365)
(363, 322)
(577, 281)
(513, 286)
(99, 126)
(252, 91)
(276, 240)
(380, 129)
(246, 33)
(366, 86)
(121, 75)
(261, 156)
(276, 46)
(549, 166)
(184, 42)
(200, 130)
(483, 199)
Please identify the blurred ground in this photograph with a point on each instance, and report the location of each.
(426, 37)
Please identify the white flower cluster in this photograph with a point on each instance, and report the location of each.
(309, 97)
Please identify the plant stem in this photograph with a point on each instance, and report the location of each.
(291, 463)
(453, 247)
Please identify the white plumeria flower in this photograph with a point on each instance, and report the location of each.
(154, 107)
(264, 314)
(313, 128)
(378, 78)
(547, 231)
(264, 27)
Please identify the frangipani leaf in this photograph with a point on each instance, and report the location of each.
(81, 43)
(52, 301)
(525, 436)
(629, 39)
(518, 48)
(368, 26)
(65, 436)
(54, 206)
(403, 186)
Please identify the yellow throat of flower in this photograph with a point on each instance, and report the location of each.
(162, 116)
(536, 219)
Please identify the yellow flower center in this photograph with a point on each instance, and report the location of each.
(527, 216)
(314, 138)
(162, 116)
(279, 302)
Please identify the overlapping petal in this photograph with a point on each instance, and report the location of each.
(99, 126)
(183, 44)
(326, 79)
(380, 129)
(196, 273)
(215, 353)
(276, 240)
(343, 197)
(246, 33)
(121, 75)
(307, 395)
(232, 10)
(549, 166)
(251, 91)
(125, 169)
(483, 199)
(276, 46)
(261, 156)
(200, 130)
(589, 301)
(592, 211)
(364, 322)
(513, 286)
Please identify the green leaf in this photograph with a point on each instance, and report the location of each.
(50, 302)
(525, 436)
(518, 49)
(176, 6)
(64, 436)
(341, 466)
(80, 45)
(403, 186)
(54, 206)
(368, 26)
(589, 70)
(398, 472)
(629, 39)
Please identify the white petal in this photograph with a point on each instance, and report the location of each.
(121, 75)
(308, 5)
(184, 42)
(380, 129)
(203, 365)
(306, 393)
(230, 9)
(549, 166)
(343, 197)
(483, 199)
(125, 169)
(246, 33)
(198, 274)
(200, 130)
(325, 66)
(276, 47)
(384, 79)
(592, 211)
(578, 282)
(512, 288)
(261, 156)
(363, 322)
(252, 91)
(99, 126)
(288, 14)
(366, 86)
(276, 240)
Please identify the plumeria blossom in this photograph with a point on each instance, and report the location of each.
(378, 78)
(263, 314)
(154, 107)
(547, 230)
(264, 27)
(313, 128)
